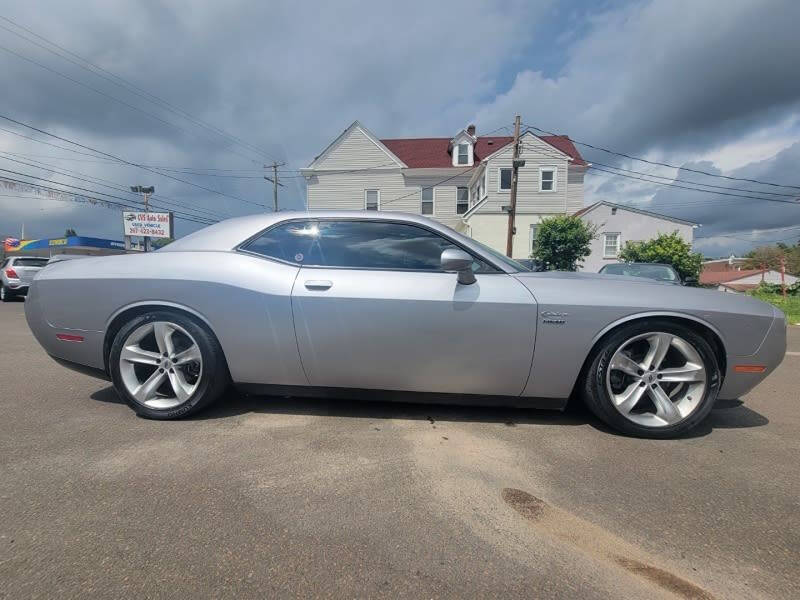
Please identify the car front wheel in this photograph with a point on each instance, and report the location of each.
(655, 379)
(167, 365)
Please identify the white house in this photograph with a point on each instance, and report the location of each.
(618, 224)
(463, 181)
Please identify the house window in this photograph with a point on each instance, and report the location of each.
(480, 189)
(427, 201)
(504, 182)
(534, 235)
(463, 154)
(611, 245)
(462, 200)
(372, 199)
(547, 179)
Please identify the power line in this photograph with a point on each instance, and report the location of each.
(124, 200)
(685, 203)
(127, 162)
(662, 164)
(102, 93)
(113, 185)
(79, 198)
(720, 187)
(122, 82)
(28, 137)
(695, 189)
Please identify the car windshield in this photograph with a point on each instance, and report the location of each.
(499, 256)
(659, 272)
(30, 262)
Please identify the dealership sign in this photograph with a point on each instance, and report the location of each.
(148, 224)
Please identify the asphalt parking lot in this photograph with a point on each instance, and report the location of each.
(264, 497)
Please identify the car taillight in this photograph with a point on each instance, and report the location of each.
(11, 273)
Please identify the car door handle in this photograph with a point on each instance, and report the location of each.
(318, 284)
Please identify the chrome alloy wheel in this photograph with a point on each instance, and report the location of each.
(656, 379)
(161, 365)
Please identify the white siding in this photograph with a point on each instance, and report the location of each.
(575, 188)
(355, 151)
(345, 191)
(536, 154)
(492, 230)
(632, 226)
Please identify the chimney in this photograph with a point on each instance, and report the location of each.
(471, 129)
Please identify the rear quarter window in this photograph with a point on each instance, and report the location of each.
(30, 262)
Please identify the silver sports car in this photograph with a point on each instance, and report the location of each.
(392, 305)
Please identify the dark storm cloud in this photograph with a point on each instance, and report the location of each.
(674, 78)
(668, 75)
(286, 76)
(741, 223)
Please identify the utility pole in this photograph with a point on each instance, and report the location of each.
(146, 192)
(275, 183)
(783, 276)
(516, 163)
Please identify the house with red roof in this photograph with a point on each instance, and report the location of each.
(741, 280)
(462, 181)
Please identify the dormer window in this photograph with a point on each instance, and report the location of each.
(462, 149)
(463, 154)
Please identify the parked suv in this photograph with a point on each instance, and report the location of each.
(16, 274)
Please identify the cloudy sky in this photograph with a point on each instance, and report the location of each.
(214, 90)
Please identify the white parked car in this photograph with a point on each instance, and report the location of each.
(16, 274)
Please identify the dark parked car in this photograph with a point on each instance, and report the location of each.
(657, 271)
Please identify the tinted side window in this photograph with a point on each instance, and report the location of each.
(356, 244)
(377, 245)
(295, 242)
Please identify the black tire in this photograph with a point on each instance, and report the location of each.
(6, 295)
(596, 396)
(213, 380)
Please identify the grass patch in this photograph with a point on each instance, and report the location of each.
(789, 305)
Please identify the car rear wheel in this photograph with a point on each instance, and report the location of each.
(5, 294)
(654, 379)
(167, 365)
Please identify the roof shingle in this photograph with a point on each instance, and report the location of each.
(431, 153)
(726, 276)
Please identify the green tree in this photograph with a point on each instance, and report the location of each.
(765, 257)
(769, 257)
(667, 248)
(562, 242)
(70, 232)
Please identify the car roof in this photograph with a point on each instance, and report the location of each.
(229, 234)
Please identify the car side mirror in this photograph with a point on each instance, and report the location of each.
(690, 281)
(458, 261)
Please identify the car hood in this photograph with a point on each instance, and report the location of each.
(590, 276)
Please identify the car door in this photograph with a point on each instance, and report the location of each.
(373, 309)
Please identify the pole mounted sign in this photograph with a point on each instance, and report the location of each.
(148, 224)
